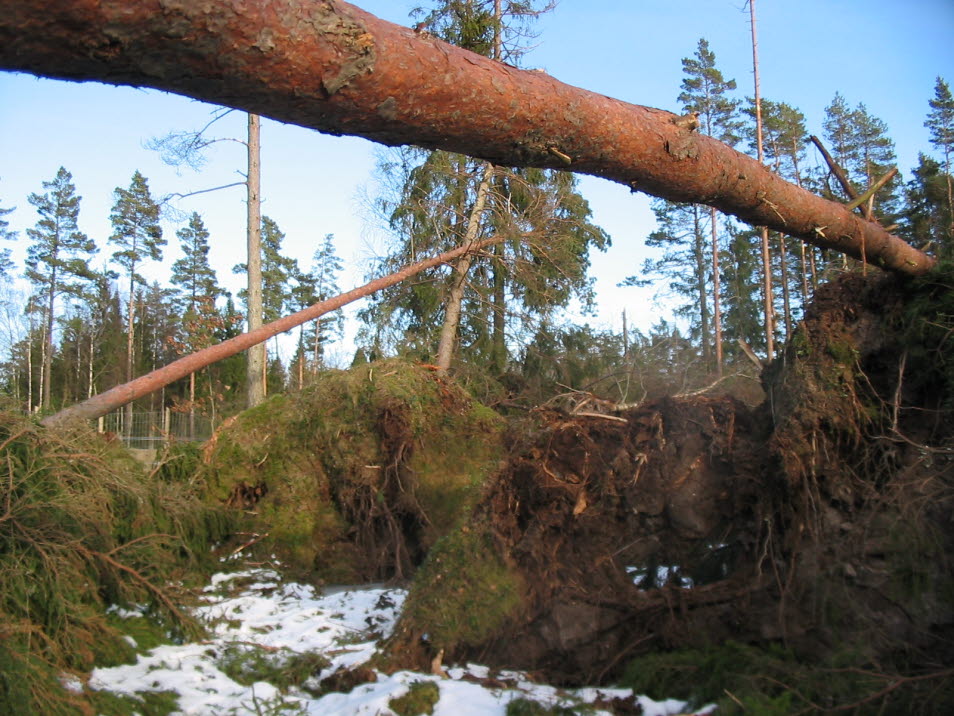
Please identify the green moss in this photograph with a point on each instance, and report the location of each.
(323, 460)
(421, 697)
(464, 592)
(842, 352)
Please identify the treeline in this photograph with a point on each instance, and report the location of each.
(503, 306)
(711, 264)
(88, 325)
(494, 317)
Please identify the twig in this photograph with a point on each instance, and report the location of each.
(587, 414)
(255, 538)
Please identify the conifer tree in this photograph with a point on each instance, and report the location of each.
(196, 298)
(706, 92)
(927, 216)
(278, 272)
(322, 284)
(138, 236)
(57, 261)
(193, 274)
(860, 145)
(940, 123)
(6, 264)
(440, 200)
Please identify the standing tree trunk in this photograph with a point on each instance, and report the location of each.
(48, 346)
(255, 371)
(445, 347)
(716, 304)
(768, 308)
(130, 345)
(701, 262)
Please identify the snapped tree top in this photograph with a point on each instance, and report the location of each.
(330, 66)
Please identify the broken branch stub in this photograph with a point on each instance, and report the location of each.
(333, 67)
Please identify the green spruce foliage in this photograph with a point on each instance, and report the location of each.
(82, 527)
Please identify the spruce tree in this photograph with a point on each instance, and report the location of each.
(322, 282)
(927, 217)
(278, 273)
(57, 261)
(198, 291)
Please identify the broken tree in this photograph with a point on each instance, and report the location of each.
(333, 67)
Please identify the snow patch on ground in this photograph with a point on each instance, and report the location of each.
(255, 608)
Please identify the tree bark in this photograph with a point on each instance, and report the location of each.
(445, 347)
(768, 297)
(333, 67)
(120, 395)
(255, 368)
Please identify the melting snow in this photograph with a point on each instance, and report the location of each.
(256, 608)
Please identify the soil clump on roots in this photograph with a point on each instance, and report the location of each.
(814, 529)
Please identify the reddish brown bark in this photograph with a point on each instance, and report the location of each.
(127, 392)
(328, 65)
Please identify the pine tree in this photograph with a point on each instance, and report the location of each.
(6, 264)
(193, 274)
(57, 261)
(860, 145)
(439, 201)
(783, 141)
(684, 264)
(927, 217)
(940, 123)
(706, 92)
(136, 231)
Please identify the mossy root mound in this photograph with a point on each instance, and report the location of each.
(82, 526)
(815, 529)
(355, 477)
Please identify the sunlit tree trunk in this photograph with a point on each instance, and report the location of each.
(445, 347)
(768, 307)
(255, 373)
(716, 304)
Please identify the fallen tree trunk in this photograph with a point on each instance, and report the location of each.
(127, 392)
(333, 67)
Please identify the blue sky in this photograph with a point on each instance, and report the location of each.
(884, 54)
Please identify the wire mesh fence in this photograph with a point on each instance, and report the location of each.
(151, 430)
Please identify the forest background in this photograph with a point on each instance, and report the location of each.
(877, 56)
